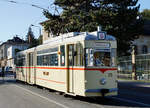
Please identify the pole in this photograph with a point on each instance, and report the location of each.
(134, 76)
(3, 73)
(39, 29)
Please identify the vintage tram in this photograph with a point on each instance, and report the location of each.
(77, 63)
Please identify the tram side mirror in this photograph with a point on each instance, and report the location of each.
(75, 53)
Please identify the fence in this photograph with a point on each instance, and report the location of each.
(142, 65)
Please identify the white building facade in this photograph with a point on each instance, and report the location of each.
(11, 53)
(142, 45)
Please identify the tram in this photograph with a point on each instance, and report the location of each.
(77, 63)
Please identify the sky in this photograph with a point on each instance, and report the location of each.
(15, 19)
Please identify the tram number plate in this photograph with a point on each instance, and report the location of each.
(46, 73)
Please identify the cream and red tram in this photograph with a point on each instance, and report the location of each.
(75, 63)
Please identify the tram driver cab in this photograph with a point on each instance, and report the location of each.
(101, 58)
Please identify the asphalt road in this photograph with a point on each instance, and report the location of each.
(139, 92)
(19, 95)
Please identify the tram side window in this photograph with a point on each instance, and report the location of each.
(62, 56)
(80, 55)
(48, 60)
(113, 56)
(45, 60)
(30, 59)
(20, 61)
(39, 60)
(89, 57)
(53, 60)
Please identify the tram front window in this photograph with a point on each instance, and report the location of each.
(101, 58)
(98, 58)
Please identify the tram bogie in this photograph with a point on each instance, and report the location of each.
(79, 65)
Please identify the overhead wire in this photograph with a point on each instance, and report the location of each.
(24, 3)
(51, 6)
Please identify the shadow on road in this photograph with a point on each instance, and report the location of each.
(107, 101)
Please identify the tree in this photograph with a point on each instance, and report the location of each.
(146, 14)
(117, 17)
(40, 40)
(31, 39)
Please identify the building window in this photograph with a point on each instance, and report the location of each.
(8, 53)
(144, 49)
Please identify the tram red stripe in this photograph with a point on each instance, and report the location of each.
(103, 70)
(51, 80)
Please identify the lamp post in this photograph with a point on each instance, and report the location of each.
(37, 27)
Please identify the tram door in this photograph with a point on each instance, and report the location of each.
(70, 68)
(29, 69)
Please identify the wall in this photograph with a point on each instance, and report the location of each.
(140, 42)
(11, 53)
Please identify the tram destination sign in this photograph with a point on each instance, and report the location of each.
(102, 45)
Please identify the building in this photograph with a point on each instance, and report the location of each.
(8, 50)
(46, 34)
(142, 44)
(12, 51)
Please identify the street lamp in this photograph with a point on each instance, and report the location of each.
(38, 27)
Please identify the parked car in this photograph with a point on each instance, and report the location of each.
(0, 72)
(8, 69)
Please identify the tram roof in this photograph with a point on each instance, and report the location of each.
(71, 37)
(76, 36)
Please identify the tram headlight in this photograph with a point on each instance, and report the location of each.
(103, 81)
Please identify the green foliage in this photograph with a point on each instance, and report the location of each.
(117, 17)
(31, 39)
(40, 40)
(146, 14)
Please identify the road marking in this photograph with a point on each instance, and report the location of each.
(100, 106)
(131, 101)
(42, 97)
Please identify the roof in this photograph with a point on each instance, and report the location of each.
(44, 22)
(77, 36)
(73, 37)
(15, 40)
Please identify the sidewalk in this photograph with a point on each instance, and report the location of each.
(128, 80)
(10, 79)
(138, 83)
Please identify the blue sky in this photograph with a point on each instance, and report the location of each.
(15, 19)
(145, 4)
